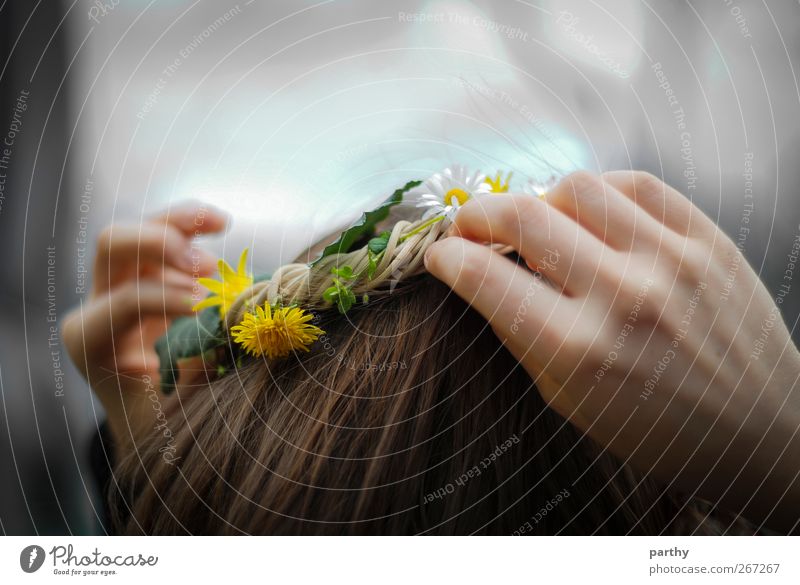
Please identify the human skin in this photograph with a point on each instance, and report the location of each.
(143, 278)
(621, 253)
(649, 332)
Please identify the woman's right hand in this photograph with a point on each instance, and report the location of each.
(657, 338)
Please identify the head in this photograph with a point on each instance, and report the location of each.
(407, 417)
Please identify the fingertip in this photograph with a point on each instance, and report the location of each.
(441, 256)
(431, 257)
(194, 217)
(208, 220)
(216, 218)
(426, 259)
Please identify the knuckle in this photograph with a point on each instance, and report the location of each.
(127, 294)
(173, 243)
(72, 335)
(694, 263)
(656, 301)
(579, 348)
(524, 213)
(157, 238)
(162, 244)
(597, 347)
(104, 238)
(648, 184)
(609, 274)
(70, 327)
(473, 270)
(172, 235)
(672, 314)
(637, 295)
(582, 178)
(582, 183)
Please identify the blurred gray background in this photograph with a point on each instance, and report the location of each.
(295, 116)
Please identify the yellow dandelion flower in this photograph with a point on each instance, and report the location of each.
(230, 285)
(275, 332)
(497, 185)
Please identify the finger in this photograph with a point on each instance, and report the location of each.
(177, 279)
(608, 214)
(194, 218)
(204, 266)
(119, 312)
(123, 250)
(662, 202)
(515, 302)
(547, 239)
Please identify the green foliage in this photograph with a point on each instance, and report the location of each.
(372, 266)
(187, 337)
(375, 250)
(341, 293)
(378, 244)
(365, 226)
(345, 272)
(192, 336)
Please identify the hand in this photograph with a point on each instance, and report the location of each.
(649, 332)
(143, 279)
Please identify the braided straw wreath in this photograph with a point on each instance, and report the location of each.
(305, 285)
(269, 317)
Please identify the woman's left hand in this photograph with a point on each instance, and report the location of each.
(143, 278)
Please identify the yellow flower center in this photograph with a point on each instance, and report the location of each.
(458, 194)
(275, 333)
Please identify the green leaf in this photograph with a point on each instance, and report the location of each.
(345, 299)
(330, 294)
(187, 337)
(378, 244)
(365, 226)
(345, 272)
(372, 266)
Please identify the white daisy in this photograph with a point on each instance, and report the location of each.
(540, 188)
(444, 193)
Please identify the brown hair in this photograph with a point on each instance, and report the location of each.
(407, 417)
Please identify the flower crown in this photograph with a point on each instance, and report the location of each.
(271, 317)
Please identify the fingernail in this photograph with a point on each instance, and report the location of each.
(452, 231)
(426, 257)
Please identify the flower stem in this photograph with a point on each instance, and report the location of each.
(417, 230)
